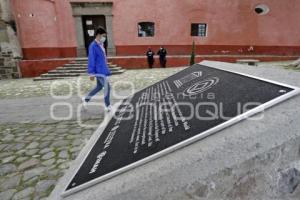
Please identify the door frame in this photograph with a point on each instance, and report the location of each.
(80, 9)
(85, 28)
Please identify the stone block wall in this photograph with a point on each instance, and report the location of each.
(9, 66)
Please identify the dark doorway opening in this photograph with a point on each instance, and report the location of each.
(90, 24)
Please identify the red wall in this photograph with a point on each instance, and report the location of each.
(33, 68)
(233, 27)
(45, 28)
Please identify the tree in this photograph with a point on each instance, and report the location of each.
(192, 60)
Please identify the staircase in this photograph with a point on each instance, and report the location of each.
(74, 69)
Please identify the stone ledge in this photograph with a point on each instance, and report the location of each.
(224, 165)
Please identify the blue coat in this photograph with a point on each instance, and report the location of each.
(97, 63)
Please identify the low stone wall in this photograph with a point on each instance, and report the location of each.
(251, 160)
(9, 66)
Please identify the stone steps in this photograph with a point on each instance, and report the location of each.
(54, 74)
(60, 75)
(50, 78)
(74, 69)
(83, 66)
(82, 69)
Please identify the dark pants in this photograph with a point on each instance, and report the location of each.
(150, 62)
(163, 62)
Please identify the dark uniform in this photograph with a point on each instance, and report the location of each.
(162, 56)
(150, 58)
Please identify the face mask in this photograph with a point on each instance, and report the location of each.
(103, 39)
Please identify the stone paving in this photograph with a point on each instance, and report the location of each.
(35, 154)
(25, 88)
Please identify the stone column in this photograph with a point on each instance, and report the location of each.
(81, 51)
(111, 49)
(8, 37)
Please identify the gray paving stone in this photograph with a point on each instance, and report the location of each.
(75, 131)
(2, 146)
(32, 145)
(76, 149)
(53, 172)
(10, 183)
(60, 161)
(46, 150)
(48, 155)
(33, 172)
(7, 168)
(48, 138)
(64, 165)
(23, 194)
(59, 138)
(21, 159)
(64, 130)
(37, 129)
(29, 138)
(19, 146)
(9, 148)
(60, 143)
(5, 154)
(46, 129)
(44, 144)
(44, 185)
(74, 155)
(77, 142)
(19, 139)
(28, 164)
(70, 137)
(8, 159)
(63, 154)
(49, 162)
(31, 152)
(31, 181)
(87, 132)
(8, 194)
(62, 126)
(20, 152)
(8, 138)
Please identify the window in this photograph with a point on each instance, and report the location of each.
(199, 30)
(146, 29)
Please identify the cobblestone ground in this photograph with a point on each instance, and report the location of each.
(33, 156)
(11, 89)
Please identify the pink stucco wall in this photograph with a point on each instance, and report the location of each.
(230, 22)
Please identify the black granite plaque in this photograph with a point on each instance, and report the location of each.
(172, 113)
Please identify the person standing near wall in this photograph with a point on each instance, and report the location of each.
(150, 57)
(98, 68)
(162, 56)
